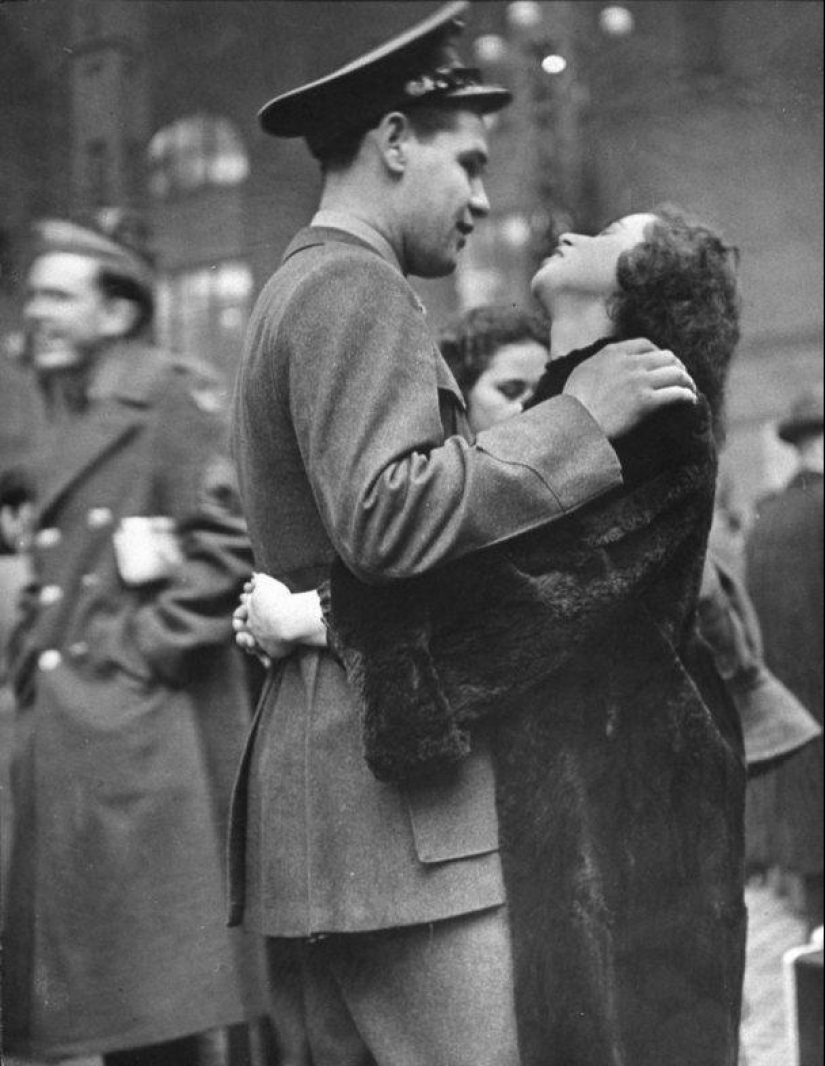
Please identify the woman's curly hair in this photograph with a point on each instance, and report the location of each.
(469, 342)
(678, 288)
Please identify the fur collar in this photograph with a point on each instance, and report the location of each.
(557, 371)
(676, 434)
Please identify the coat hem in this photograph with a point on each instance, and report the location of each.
(112, 1043)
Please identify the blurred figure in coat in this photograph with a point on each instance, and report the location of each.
(16, 514)
(784, 567)
(131, 700)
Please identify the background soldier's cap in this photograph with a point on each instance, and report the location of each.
(111, 237)
(418, 66)
(805, 416)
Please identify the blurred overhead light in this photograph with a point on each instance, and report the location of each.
(490, 48)
(515, 230)
(616, 20)
(554, 64)
(524, 13)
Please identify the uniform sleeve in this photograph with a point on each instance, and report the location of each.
(395, 496)
(192, 612)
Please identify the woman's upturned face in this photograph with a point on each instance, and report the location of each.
(586, 266)
(508, 382)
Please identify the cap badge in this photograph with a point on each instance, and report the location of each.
(441, 80)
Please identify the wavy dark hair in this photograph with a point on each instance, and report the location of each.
(678, 288)
(469, 342)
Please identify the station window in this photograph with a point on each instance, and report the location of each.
(197, 151)
(202, 311)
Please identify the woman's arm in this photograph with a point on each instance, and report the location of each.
(273, 620)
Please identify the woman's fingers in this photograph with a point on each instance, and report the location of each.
(661, 397)
(669, 375)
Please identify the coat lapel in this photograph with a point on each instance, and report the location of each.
(80, 447)
(120, 397)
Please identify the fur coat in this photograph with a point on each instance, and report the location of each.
(619, 769)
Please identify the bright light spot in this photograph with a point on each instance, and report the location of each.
(524, 13)
(515, 230)
(490, 48)
(554, 64)
(616, 20)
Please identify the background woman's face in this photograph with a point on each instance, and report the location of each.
(508, 382)
(586, 266)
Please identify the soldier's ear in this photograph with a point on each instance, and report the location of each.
(119, 316)
(392, 135)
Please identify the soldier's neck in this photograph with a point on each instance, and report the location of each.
(344, 195)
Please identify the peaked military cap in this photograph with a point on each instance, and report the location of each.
(106, 238)
(418, 66)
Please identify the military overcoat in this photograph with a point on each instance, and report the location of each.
(784, 561)
(132, 715)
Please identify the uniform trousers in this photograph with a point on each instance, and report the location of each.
(427, 995)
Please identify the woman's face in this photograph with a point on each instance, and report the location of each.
(586, 266)
(508, 382)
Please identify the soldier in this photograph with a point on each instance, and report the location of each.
(132, 703)
(385, 904)
(784, 573)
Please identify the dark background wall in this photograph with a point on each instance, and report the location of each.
(716, 105)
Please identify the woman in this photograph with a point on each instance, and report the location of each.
(497, 355)
(619, 787)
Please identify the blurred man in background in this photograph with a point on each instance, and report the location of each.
(132, 705)
(784, 566)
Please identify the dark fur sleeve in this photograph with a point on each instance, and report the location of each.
(430, 657)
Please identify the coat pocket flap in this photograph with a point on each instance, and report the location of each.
(453, 814)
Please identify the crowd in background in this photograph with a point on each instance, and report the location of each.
(766, 587)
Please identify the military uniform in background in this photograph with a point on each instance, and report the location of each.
(133, 707)
(784, 558)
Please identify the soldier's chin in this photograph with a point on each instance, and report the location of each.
(434, 267)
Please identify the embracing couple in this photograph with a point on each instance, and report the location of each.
(490, 810)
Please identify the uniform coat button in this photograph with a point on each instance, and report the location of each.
(48, 537)
(98, 517)
(49, 659)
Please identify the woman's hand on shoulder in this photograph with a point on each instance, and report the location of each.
(627, 381)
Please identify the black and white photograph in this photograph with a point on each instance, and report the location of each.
(411, 533)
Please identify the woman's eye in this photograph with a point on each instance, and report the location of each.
(512, 390)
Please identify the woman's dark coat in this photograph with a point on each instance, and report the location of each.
(620, 777)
